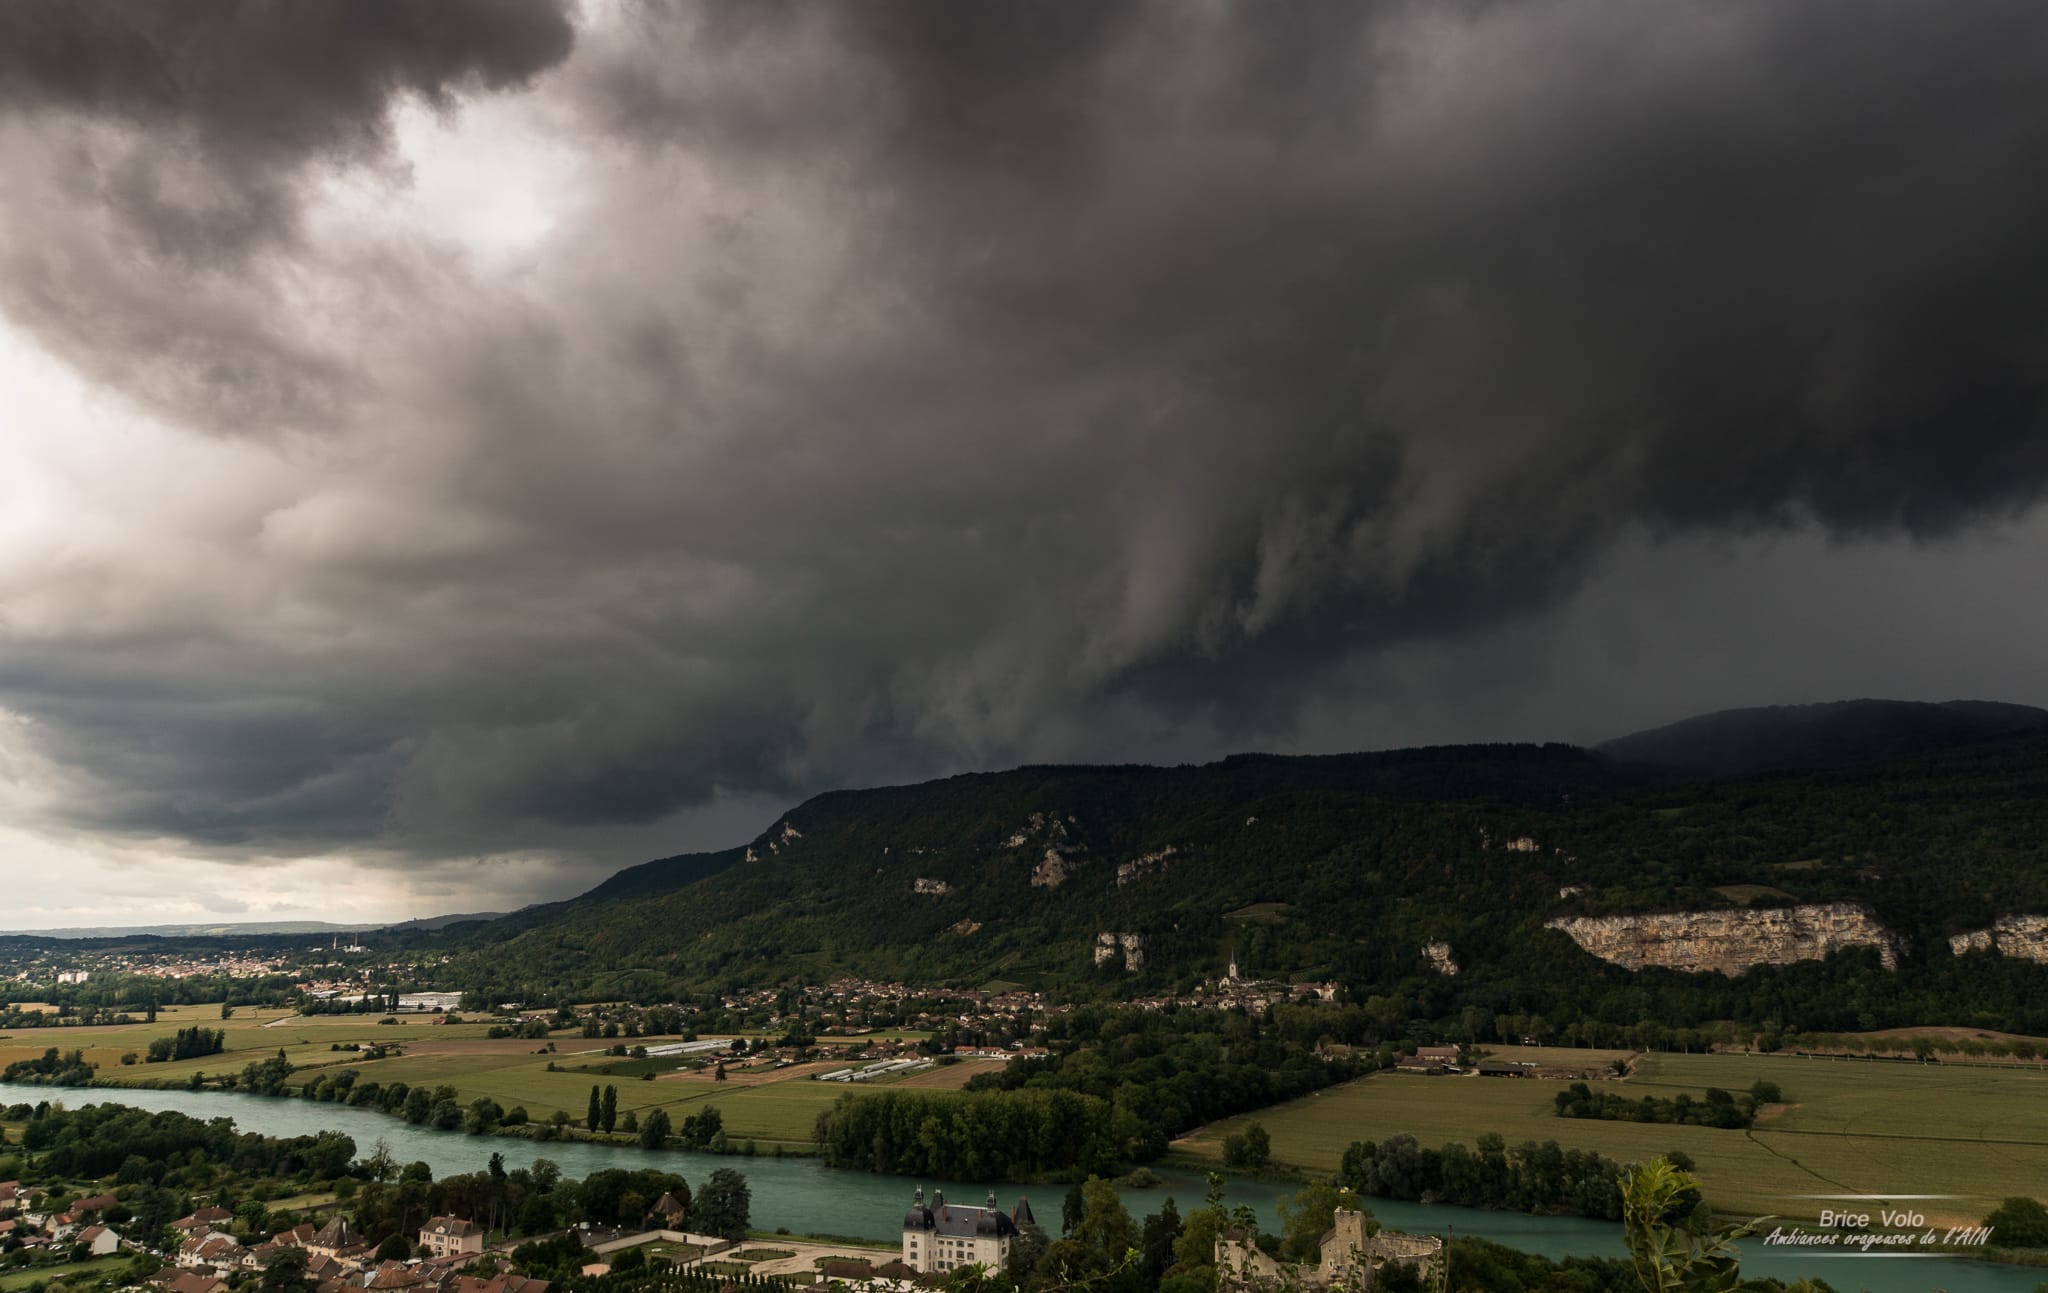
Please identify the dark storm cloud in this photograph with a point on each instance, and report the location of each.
(189, 129)
(921, 385)
(1556, 269)
(260, 88)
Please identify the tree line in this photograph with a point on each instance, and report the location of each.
(1716, 1109)
(1545, 1178)
(990, 1136)
(187, 1044)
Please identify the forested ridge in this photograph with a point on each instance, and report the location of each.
(1341, 868)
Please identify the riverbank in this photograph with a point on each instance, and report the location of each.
(804, 1196)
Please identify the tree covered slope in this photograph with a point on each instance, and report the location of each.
(1322, 868)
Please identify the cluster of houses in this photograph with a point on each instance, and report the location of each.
(34, 1227)
(337, 1258)
(1235, 989)
(1439, 1060)
(69, 968)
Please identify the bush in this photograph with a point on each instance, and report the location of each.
(2019, 1223)
(1249, 1149)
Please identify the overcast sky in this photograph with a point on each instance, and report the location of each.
(457, 448)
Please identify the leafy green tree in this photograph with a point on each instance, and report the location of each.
(252, 1217)
(2019, 1223)
(1104, 1225)
(1155, 1243)
(1673, 1243)
(556, 1257)
(381, 1165)
(722, 1207)
(1307, 1213)
(654, 1129)
(596, 1113)
(629, 1262)
(1197, 1243)
(608, 1109)
(1250, 1149)
(285, 1272)
(483, 1117)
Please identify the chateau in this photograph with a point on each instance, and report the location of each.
(947, 1236)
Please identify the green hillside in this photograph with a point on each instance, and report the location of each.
(1342, 868)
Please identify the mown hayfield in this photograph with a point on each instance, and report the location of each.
(783, 1111)
(251, 1034)
(1848, 1126)
(951, 1077)
(767, 1105)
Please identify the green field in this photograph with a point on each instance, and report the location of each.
(777, 1113)
(21, 1279)
(512, 1072)
(250, 1035)
(1848, 1127)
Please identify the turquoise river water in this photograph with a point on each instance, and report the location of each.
(809, 1198)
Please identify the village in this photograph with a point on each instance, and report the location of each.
(202, 1253)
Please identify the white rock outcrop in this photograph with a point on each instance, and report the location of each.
(1439, 957)
(1131, 947)
(2021, 936)
(1144, 864)
(1058, 859)
(1730, 942)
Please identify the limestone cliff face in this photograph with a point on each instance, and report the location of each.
(1131, 947)
(2024, 936)
(1731, 942)
(1439, 957)
(1060, 858)
(1144, 864)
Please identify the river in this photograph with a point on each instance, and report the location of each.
(809, 1198)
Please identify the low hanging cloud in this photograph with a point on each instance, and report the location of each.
(897, 388)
